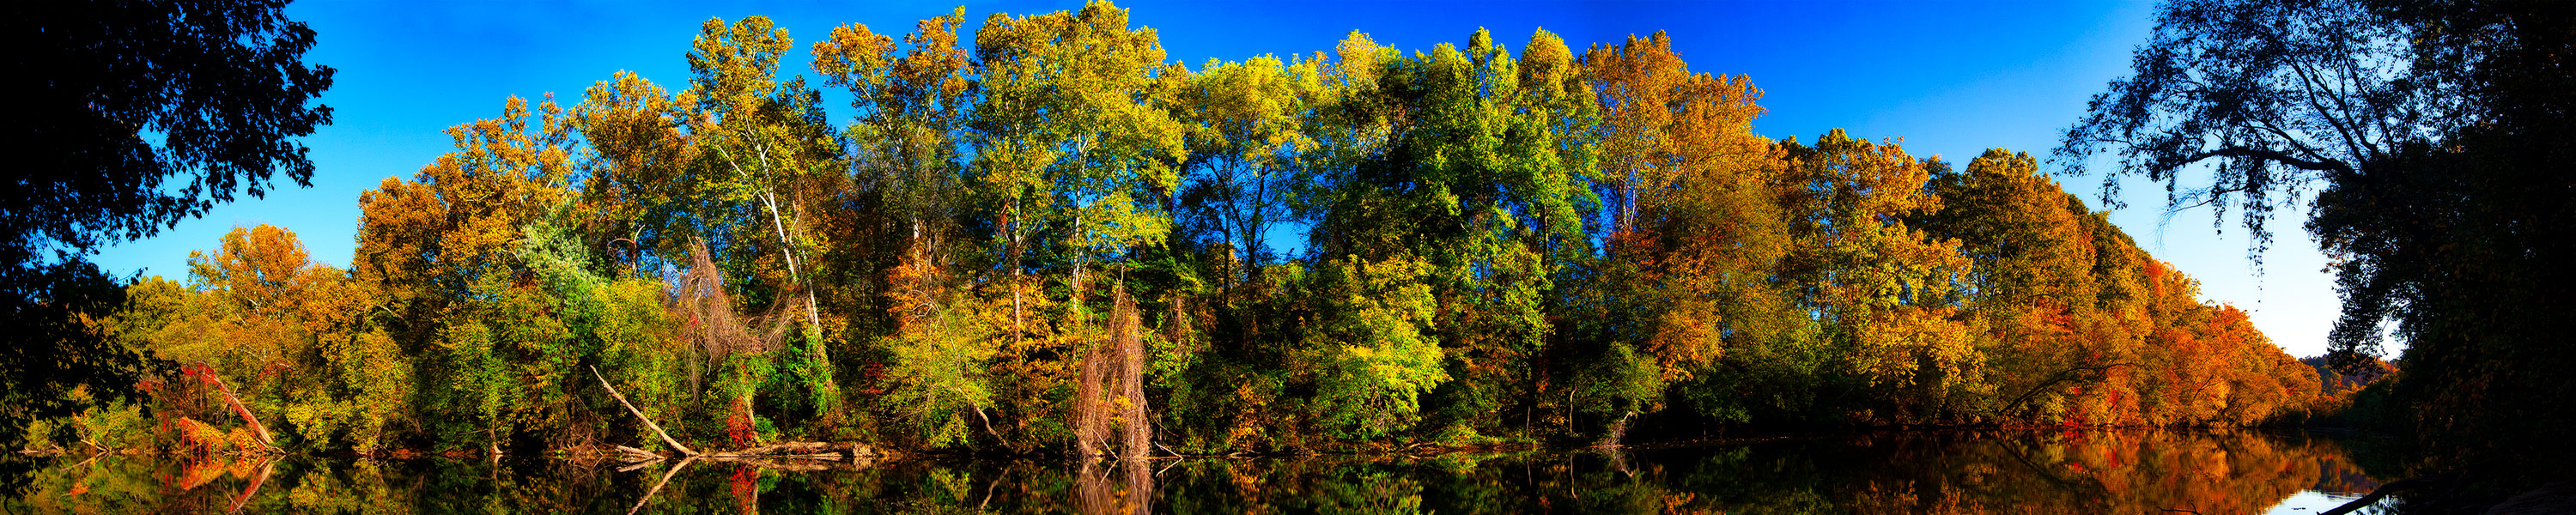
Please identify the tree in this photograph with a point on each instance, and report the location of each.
(284, 331)
(1375, 349)
(1069, 133)
(1466, 160)
(1075, 158)
(2278, 93)
(905, 145)
(121, 98)
(1248, 141)
(275, 304)
(440, 250)
(766, 153)
(633, 156)
(2031, 287)
(2434, 135)
(1881, 291)
(1694, 227)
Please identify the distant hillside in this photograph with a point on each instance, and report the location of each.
(2334, 383)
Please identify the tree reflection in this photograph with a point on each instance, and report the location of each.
(1947, 472)
(1122, 487)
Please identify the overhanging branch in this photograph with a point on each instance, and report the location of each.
(2341, 169)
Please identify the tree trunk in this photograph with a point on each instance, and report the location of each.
(1618, 431)
(256, 429)
(1011, 246)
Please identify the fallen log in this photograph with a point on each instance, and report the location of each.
(806, 450)
(785, 448)
(639, 415)
(2390, 488)
(791, 465)
(256, 429)
(788, 463)
(639, 453)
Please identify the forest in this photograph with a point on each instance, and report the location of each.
(1053, 239)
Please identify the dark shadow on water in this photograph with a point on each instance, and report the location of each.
(1936, 472)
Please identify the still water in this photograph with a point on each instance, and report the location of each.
(2153, 472)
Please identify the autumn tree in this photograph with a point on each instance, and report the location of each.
(1880, 290)
(2033, 289)
(1076, 160)
(905, 145)
(634, 151)
(1692, 230)
(439, 250)
(122, 99)
(290, 334)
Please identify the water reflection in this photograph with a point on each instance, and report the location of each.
(1951, 472)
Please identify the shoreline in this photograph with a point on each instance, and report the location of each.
(867, 454)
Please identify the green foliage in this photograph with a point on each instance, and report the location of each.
(1477, 178)
(1499, 248)
(938, 370)
(1618, 383)
(1375, 354)
(640, 350)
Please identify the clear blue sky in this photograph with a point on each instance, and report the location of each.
(1949, 79)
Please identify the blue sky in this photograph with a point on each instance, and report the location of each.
(1951, 79)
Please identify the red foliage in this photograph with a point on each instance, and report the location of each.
(746, 488)
(738, 427)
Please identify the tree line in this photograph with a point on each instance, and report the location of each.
(2429, 140)
(1054, 239)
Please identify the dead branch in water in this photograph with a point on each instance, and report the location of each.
(256, 429)
(638, 453)
(255, 481)
(657, 485)
(639, 414)
(1127, 332)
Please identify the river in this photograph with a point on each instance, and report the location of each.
(2154, 472)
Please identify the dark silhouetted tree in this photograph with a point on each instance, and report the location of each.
(2435, 137)
(118, 99)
